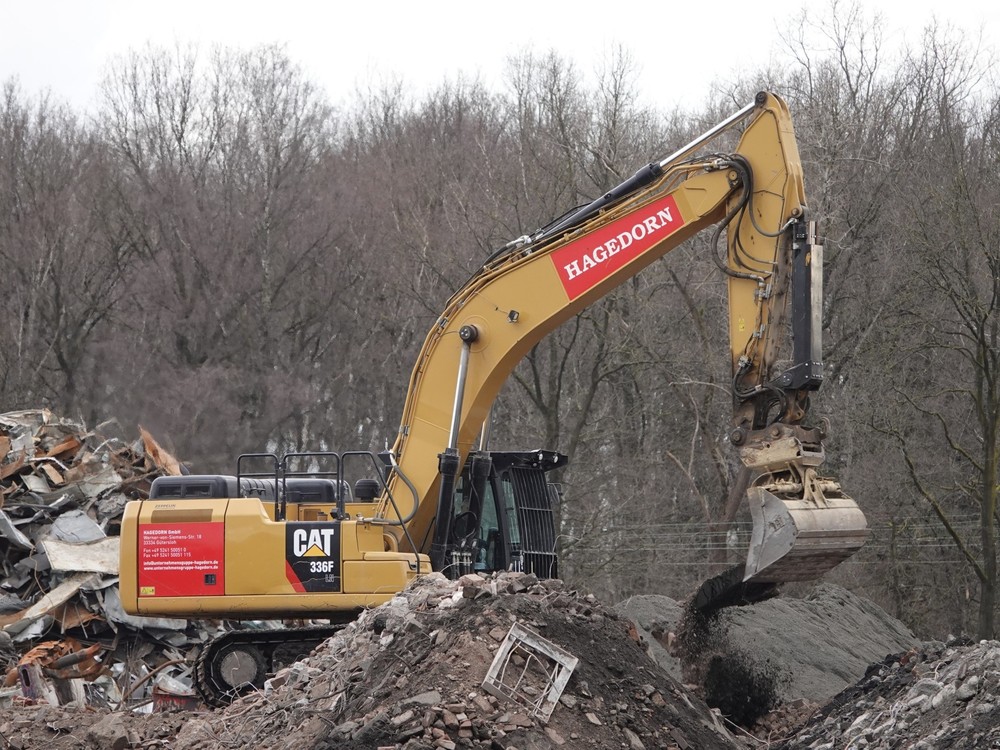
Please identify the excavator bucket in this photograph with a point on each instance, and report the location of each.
(799, 536)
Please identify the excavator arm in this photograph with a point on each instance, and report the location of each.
(803, 525)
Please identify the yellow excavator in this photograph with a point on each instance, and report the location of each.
(325, 535)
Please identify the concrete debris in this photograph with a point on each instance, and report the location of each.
(408, 675)
(12, 534)
(30, 727)
(932, 697)
(44, 608)
(93, 557)
(75, 527)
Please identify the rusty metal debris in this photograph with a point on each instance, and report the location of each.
(63, 489)
(530, 671)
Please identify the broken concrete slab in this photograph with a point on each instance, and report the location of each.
(11, 533)
(59, 595)
(99, 556)
(92, 478)
(116, 613)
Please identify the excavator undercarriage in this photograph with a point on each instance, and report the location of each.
(238, 662)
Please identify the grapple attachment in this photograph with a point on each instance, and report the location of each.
(801, 529)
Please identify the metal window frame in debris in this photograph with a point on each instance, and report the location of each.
(504, 679)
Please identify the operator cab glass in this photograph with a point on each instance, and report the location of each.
(511, 526)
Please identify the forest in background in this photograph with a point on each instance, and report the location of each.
(220, 255)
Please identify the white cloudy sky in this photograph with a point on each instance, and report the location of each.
(681, 48)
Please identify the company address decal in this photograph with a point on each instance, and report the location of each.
(591, 259)
(182, 559)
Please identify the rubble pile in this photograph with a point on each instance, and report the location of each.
(33, 726)
(939, 696)
(410, 674)
(63, 489)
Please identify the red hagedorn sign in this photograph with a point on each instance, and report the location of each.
(589, 260)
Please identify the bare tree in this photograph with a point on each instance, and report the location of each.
(228, 185)
(67, 253)
(946, 351)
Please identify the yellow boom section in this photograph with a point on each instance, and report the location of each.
(516, 300)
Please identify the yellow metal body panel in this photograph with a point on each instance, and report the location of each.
(128, 563)
(266, 607)
(255, 571)
(361, 576)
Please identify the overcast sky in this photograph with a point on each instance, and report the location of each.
(681, 48)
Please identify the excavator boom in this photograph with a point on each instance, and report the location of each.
(774, 268)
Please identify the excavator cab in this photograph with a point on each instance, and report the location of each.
(504, 513)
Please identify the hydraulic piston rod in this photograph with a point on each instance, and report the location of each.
(448, 461)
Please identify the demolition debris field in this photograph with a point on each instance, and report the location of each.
(502, 662)
(63, 489)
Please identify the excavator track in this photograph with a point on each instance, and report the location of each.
(238, 662)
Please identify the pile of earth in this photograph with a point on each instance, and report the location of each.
(409, 675)
(749, 661)
(38, 727)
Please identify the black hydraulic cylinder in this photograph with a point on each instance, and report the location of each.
(640, 179)
(448, 468)
(807, 304)
(480, 466)
(807, 311)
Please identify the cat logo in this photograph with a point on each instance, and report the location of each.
(312, 556)
(313, 542)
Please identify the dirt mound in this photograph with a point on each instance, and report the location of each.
(748, 660)
(818, 645)
(657, 618)
(936, 697)
(409, 674)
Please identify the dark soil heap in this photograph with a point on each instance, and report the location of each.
(748, 660)
(409, 674)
